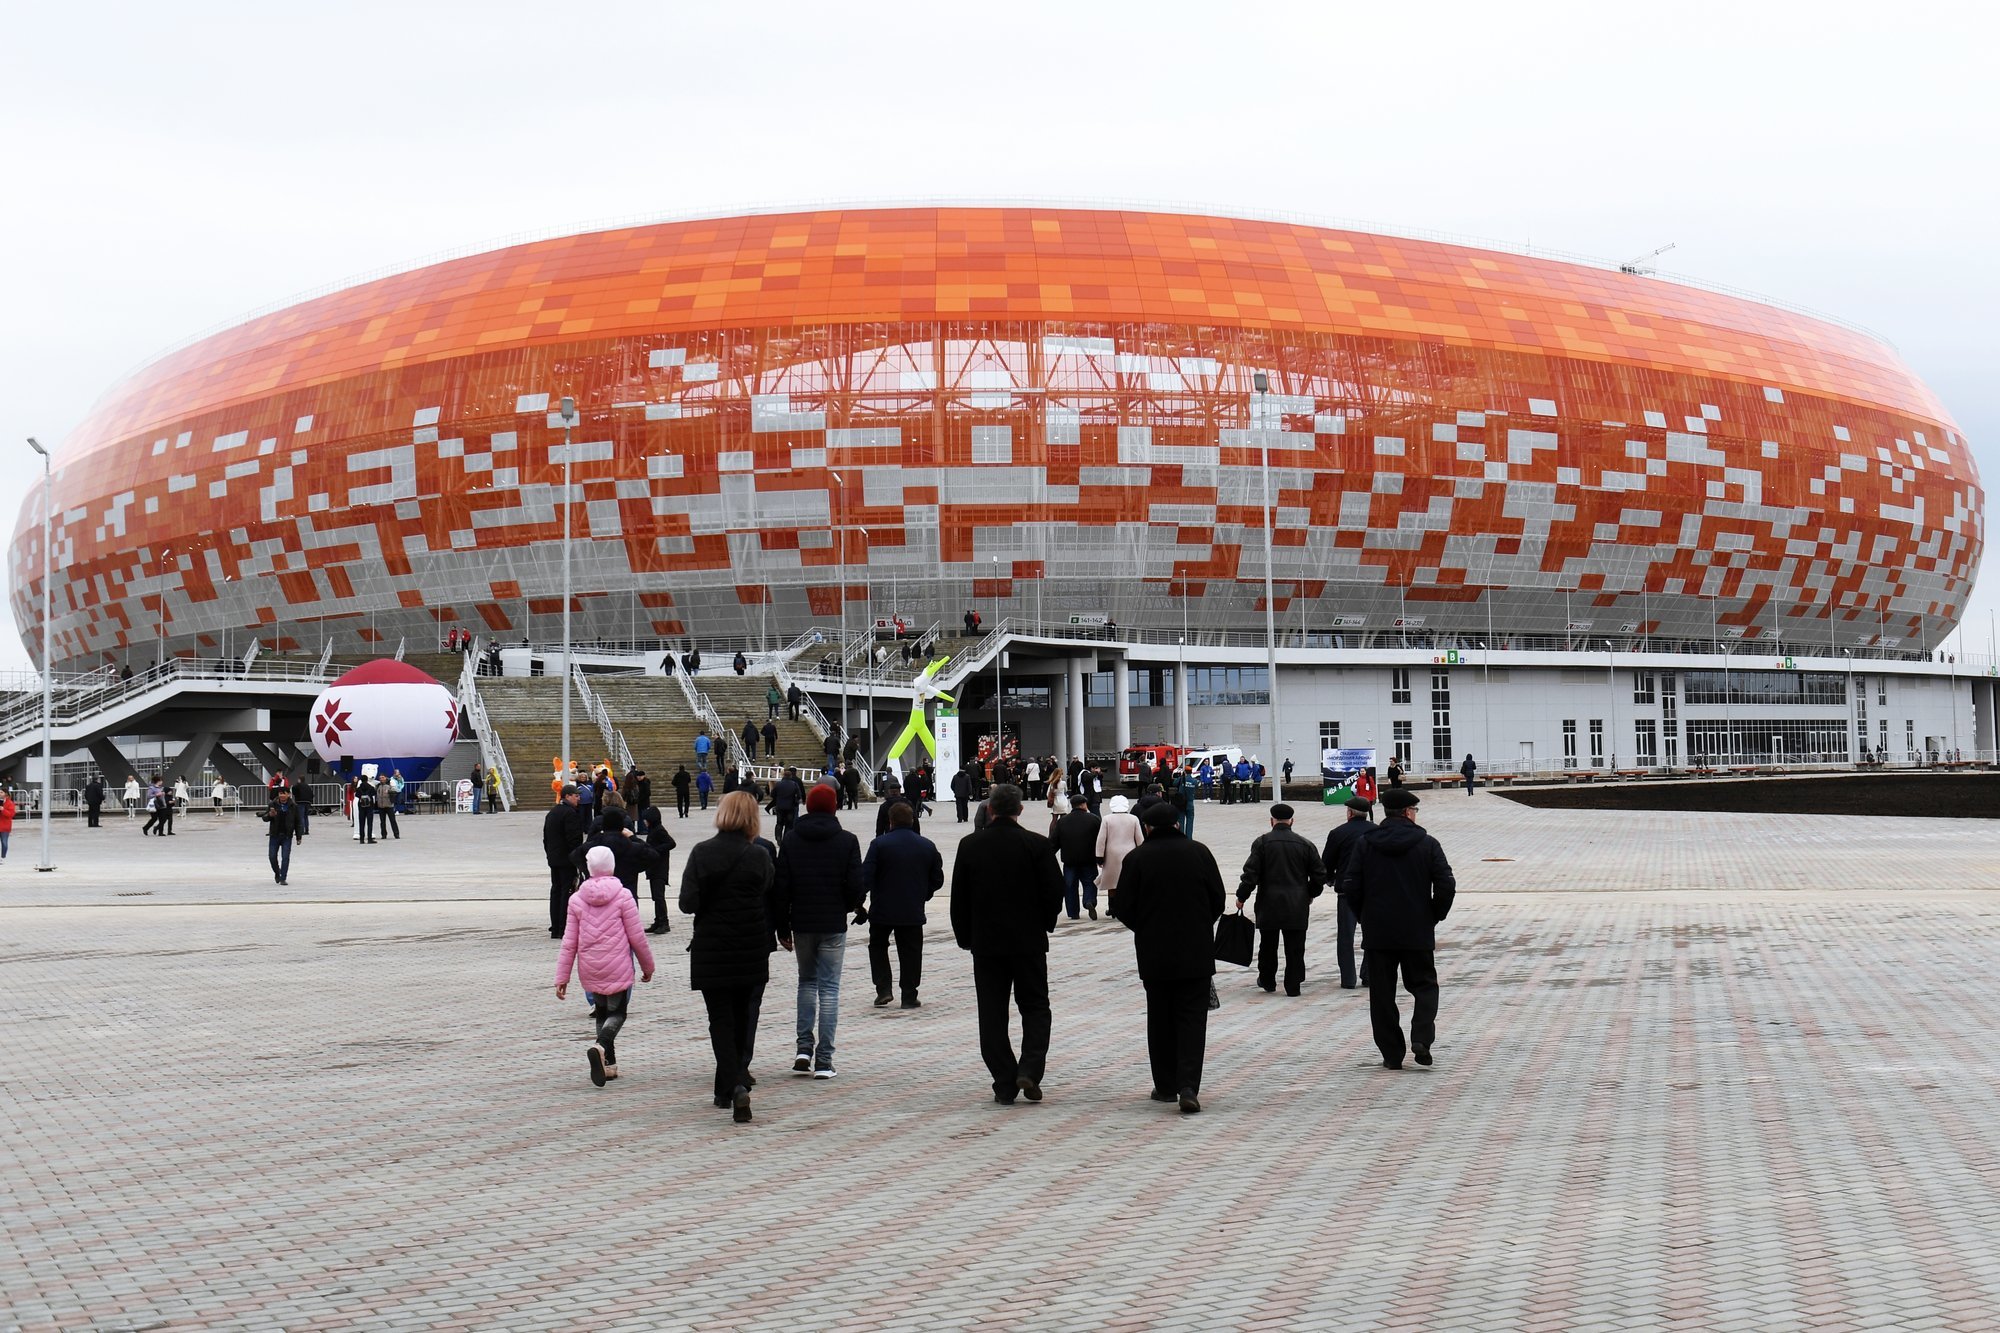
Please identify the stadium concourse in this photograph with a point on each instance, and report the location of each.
(1704, 1071)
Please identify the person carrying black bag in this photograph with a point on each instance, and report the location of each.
(1170, 895)
(1286, 874)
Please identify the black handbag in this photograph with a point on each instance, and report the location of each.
(1235, 940)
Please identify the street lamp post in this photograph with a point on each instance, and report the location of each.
(1611, 680)
(999, 728)
(1262, 385)
(1853, 710)
(48, 765)
(568, 420)
(841, 482)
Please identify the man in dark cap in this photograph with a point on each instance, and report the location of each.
(1339, 844)
(1401, 887)
(1005, 892)
(1287, 874)
(1169, 896)
(563, 831)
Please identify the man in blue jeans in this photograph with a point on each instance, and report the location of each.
(1076, 842)
(282, 817)
(818, 884)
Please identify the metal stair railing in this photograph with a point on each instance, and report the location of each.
(491, 753)
(704, 712)
(98, 693)
(325, 656)
(963, 667)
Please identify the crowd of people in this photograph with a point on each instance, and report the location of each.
(803, 887)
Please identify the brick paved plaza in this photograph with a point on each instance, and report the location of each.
(1708, 1071)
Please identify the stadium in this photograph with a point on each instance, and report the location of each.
(1556, 493)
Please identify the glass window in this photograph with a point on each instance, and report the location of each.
(1762, 741)
(1766, 687)
(1329, 735)
(1399, 685)
(1441, 749)
(1649, 744)
(1401, 734)
(1569, 742)
(1597, 742)
(1229, 685)
(1642, 687)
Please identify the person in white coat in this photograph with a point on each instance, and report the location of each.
(1121, 833)
(132, 796)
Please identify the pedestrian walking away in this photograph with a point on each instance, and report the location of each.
(770, 740)
(727, 886)
(1401, 886)
(1285, 873)
(1005, 893)
(818, 886)
(787, 793)
(652, 828)
(774, 699)
(93, 799)
(1076, 836)
(563, 831)
(702, 745)
(1339, 846)
(631, 855)
(600, 938)
(1468, 770)
(1119, 834)
(703, 785)
(900, 874)
(282, 832)
(681, 785)
(1170, 898)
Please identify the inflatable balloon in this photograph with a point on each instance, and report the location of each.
(386, 713)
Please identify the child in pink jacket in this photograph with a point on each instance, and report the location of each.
(602, 935)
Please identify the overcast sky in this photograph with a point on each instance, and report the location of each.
(168, 168)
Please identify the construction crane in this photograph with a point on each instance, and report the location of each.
(1640, 266)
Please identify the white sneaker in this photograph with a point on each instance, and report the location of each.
(825, 1073)
(802, 1064)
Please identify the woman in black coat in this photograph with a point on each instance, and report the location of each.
(726, 887)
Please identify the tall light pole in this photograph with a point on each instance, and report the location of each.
(568, 420)
(1261, 384)
(841, 482)
(999, 729)
(48, 766)
(1611, 680)
(1853, 710)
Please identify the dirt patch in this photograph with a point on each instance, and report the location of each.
(1926, 795)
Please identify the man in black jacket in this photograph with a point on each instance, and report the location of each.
(563, 831)
(900, 874)
(282, 817)
(631, 856)
(93, 800)
(1286, 873)
(961, 793)
(786, 795)
(1339, 845)
(892, 796)
(1401, 887)
(1169, 895)
(1076, 840)
(819, 883)
(1005, 893)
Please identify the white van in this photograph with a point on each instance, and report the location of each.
(1213, 756)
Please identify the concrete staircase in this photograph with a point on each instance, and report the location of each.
(526, 715)
(737, 697)
(659, 726)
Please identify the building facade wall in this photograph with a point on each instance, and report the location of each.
(787, 420)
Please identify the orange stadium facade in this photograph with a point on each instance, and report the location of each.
(785, 419)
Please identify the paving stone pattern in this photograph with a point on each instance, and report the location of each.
(1748, 1103)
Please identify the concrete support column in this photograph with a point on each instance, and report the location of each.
(1181, 704)
(1076, 709)
(1121, 700)
(1059, 718)
(1985, 693)
(111, 762)
(188, 763)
